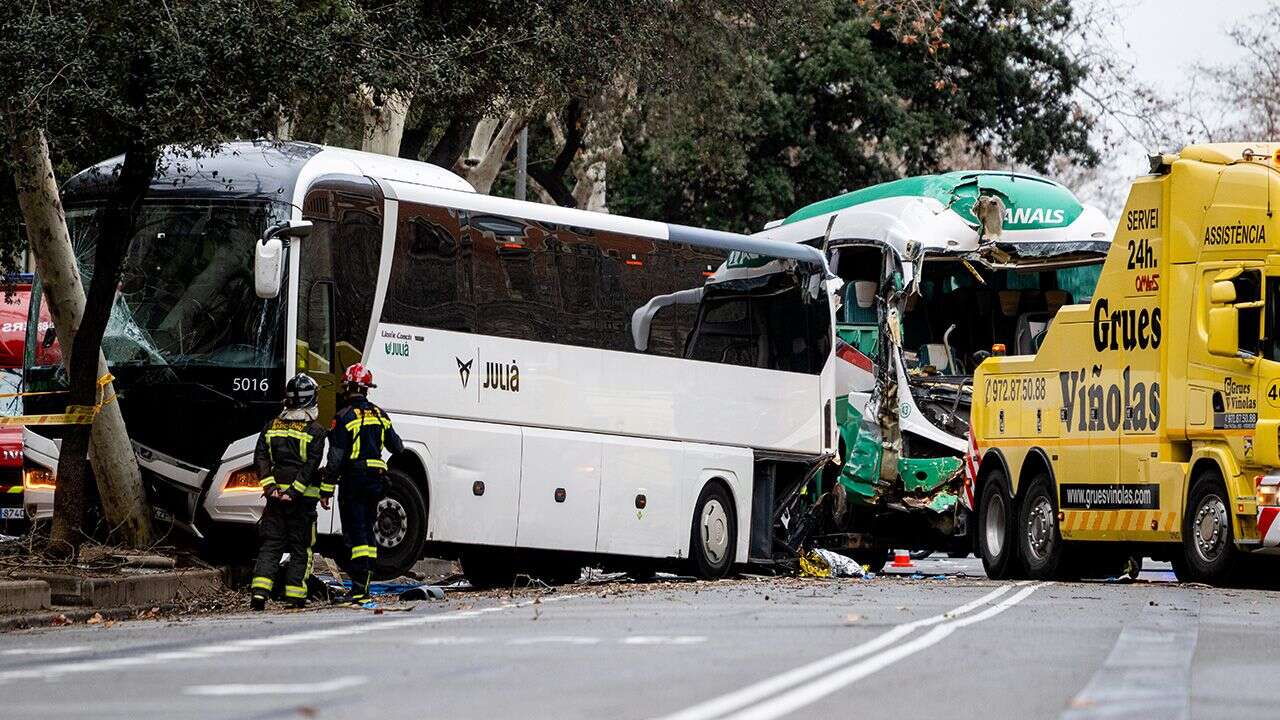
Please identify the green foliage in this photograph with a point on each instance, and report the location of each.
(847, 103)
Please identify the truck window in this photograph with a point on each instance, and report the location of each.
(1249, 289)
(1271, 340)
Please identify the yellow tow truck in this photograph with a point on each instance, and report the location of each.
(1146, 422)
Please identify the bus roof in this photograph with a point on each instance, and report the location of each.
(1043, 219)
(285, 170)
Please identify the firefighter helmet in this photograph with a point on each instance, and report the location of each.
(300, 392)
(358, 375)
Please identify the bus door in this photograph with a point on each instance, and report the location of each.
(337, 276)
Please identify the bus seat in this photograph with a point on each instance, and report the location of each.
(1055, 299)
(936, 354)
(1009, 302)
(1030, 333)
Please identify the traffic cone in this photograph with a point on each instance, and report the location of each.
(902, 559)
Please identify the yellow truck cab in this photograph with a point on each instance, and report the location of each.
(1146, 422)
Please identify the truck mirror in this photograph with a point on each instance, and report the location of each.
(1266, 444)
(1224, 330)
(1222, 292)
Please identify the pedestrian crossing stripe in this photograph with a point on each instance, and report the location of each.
(1119, 520)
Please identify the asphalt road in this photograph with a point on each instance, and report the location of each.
(891, 648)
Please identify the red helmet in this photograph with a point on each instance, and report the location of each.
(360, 375)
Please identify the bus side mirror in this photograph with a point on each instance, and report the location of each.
(269, 256)
(1266, 444)
(1224, 329)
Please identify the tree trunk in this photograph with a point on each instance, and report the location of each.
(452, 142)
(485, 171)
(567, 130)
(384, 120)
(115, 467)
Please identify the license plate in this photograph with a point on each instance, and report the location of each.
(162, 515)
(13, 514)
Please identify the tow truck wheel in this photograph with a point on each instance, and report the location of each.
(399, 526)
(1209, 552)
(997, 538)
(1039, 541)
(714, 535)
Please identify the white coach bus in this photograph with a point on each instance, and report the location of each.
(571, 386)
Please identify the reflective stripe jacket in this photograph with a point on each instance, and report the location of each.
(359, 433)
(287, 456)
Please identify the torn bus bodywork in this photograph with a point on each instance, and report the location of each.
(930, 290)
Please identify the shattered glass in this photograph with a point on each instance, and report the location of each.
(186, 294)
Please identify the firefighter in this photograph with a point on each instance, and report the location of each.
(359, 433)
(287, 460)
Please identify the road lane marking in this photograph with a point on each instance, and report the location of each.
(448, 640)
(664, 640)
(738, 699)
(334, 685)
(825, 685)
(67, 650)
(554, 639)
(1147, 673)
(55, 670)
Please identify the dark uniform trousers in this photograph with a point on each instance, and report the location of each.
(285, 527)
(358, 508)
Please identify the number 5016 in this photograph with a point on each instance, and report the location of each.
(250, 385)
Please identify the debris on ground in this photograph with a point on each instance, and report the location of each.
(422, 592)
(828, 564)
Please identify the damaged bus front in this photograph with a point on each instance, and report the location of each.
(940, 272)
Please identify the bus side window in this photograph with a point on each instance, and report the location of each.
(431, 281)
(357, 249)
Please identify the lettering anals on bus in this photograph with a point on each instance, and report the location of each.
(1092, 406)
(501, 376)
(1128, 328)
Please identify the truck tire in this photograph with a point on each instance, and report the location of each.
(1209, 552)
(400, 526)
(1039, 541)
(997, 539)
(714, 535)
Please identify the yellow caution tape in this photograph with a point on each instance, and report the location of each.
(75, 414)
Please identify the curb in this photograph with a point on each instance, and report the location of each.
(74, 615)
(132, 590)
(24, 595)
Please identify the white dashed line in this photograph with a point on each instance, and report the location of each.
(334, 685)
(67, 650)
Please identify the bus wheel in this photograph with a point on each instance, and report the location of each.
(400, 526)
(1039, 541)
(715, 533)
(1208, 546)
(997, 538)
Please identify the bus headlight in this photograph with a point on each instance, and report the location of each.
(243, 480)
(37, 477)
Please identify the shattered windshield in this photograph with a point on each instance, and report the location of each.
(186, 293)
(10, 386)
